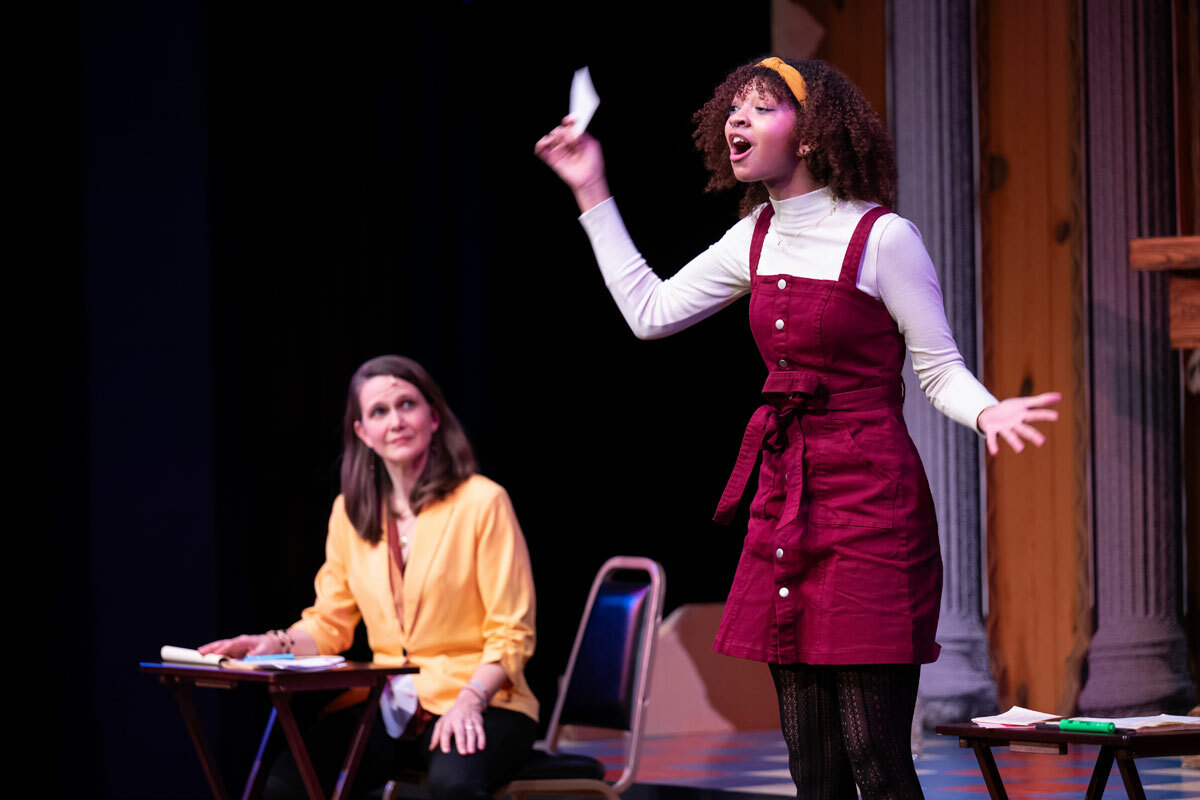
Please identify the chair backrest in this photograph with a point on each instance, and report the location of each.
(608, 675)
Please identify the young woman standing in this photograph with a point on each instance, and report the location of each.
(839, 581)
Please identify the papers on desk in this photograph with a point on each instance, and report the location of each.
(1140, 723)
(299, 663)
(186, 655)
(1017, 717)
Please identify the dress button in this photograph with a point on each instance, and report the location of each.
(783, 591)
(779, 553)
(782, 283)
(783, 363)
(778, 324)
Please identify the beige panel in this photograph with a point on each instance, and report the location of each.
(850, 35)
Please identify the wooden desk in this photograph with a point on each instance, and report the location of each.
(1123, 747)
(281, 686)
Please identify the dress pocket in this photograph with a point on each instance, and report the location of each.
(850, 487)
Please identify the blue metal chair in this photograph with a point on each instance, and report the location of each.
(606, 684)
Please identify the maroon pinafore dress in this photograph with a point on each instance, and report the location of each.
(841, 563)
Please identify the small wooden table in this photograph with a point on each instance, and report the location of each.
(281, 686)
(1123, 747)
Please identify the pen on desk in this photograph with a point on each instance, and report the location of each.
(1091, 726)
(271, 657)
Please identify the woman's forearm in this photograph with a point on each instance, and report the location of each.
(487, 679)
(303, 644)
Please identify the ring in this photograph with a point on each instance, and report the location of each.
(469, 726)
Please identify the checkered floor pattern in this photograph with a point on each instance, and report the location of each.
(756, 763)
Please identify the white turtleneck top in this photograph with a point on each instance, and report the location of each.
(807, 238)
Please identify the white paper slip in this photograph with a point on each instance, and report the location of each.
(1015, 716)
(584, 100)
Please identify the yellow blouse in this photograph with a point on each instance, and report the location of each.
(467, 592)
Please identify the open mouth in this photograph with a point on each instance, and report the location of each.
(738, 147)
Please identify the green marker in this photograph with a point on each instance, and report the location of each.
(1086, 726)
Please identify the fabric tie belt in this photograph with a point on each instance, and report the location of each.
(773, 422)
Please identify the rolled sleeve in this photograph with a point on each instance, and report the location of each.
(334, 614)
(505, 580)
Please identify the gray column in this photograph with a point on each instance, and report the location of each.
(1137, 661)
(931, 93)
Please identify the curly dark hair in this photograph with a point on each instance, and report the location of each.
(851, 153)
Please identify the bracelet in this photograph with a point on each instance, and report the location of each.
(479, 691)
(286, 642)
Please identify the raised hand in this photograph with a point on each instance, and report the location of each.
(1009, 420)
(578, 160)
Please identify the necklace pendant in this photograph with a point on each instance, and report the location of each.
(404, 541)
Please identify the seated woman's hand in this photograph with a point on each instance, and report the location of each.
(463, 723)
(248, 644)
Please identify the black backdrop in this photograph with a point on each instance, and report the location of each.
(238, 205)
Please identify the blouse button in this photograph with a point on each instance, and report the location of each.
(783, 363)
(778, 324)
(779, 553)
(782, 283)
(783, 591)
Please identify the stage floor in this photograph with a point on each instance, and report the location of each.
(755, 763)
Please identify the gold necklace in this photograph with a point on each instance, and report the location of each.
(402, 518)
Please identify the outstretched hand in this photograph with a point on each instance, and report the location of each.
(1009, 420)
(577, 159)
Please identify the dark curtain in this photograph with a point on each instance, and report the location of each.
(269, 194)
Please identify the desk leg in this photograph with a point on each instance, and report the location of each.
(359, 745)
(183, 697)
(1129, 774)
(991, 775)
(1100, 772)
(282, 702)
(257, 774)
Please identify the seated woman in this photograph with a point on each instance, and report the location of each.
(429, 555)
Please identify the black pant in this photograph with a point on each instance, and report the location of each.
(848, 724)
(510, 736)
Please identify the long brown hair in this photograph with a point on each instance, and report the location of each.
(365, 481)
(851, 153)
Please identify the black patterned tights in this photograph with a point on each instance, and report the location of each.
(849, 724)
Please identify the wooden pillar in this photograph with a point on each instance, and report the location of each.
(1034, 325)
(851, 36)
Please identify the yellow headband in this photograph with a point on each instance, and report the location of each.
(791, 76)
